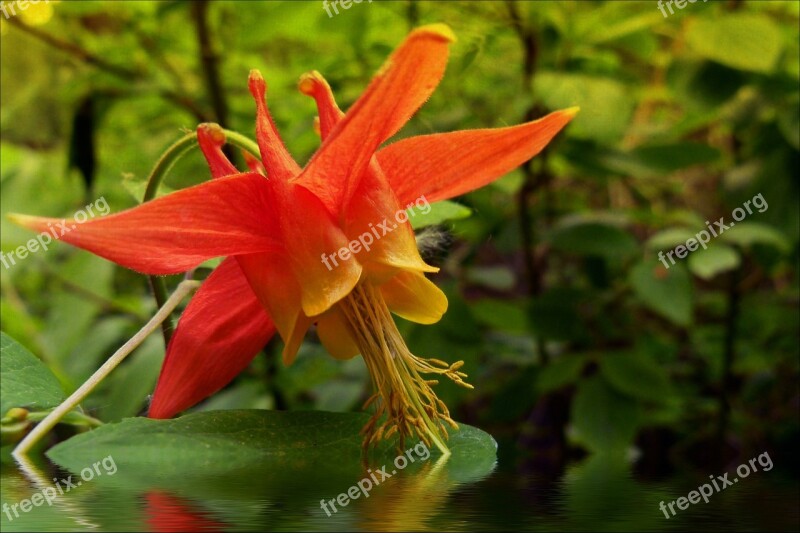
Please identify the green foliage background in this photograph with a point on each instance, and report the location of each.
(574, 334)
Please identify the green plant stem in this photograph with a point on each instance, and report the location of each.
(162, 167)
(41, 429)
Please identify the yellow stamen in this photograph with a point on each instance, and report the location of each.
(402, 395)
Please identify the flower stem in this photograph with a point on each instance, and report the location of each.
(185, 288)
(167, 160)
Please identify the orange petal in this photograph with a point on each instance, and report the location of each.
(222, 329)
(445, 165)
(383, 240)
(292, 345)
(177, 232)
(401, 86)
(414, 297)
(310, 234)
(376, 221)
(334, 334)
(314, 85)
(277, 160)
(211, 139)
(275, 286)
(273, 281)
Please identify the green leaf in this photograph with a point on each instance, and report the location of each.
(438, 213)
(593, 239)
(745, 41)
(636, 374)
(606, 104)
(24, 380)
(747, 234)
(127, 388)
(560, 372)
(502, 315)
(660, 159)
(495, 277)
(604, 421)
(215, 442)
(714, 260)
(667, 292)
(554, 315)
(669, 238)
(603, 33)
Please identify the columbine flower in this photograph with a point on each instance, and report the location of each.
(276, 222)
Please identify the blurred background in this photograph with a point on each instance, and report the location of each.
(579, 341)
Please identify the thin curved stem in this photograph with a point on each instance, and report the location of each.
(162, 167)
(43, 427)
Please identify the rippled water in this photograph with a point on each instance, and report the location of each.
(593, 494)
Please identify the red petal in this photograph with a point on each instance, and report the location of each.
(277, 160)
(253, 163)
(211, 139)
(445, 165)
(177, 232)
(167, 513)
(222, 329)
(401, 86)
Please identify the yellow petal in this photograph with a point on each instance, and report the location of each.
(412, 296)
(335, 336)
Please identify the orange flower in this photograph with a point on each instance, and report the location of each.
(277, 230)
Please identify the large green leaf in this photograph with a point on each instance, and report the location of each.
(745, 41)
(24, 380)
(217, 442)
(667, 292)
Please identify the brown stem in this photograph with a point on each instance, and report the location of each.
(210, 61)
(532, 180)
(729, 352)
(413, 14)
